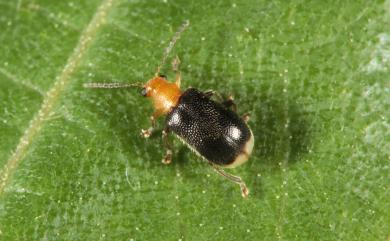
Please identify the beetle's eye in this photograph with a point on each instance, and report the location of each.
(143, 92)
(162, 76)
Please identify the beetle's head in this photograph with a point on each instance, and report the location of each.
(153, 86)
(163, 94)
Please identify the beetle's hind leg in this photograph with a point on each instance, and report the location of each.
(227, 102)
(246, 117)
(168, 147)
(235, 179)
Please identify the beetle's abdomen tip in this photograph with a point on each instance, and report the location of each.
(243, 156)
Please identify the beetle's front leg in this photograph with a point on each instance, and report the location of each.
(235, 179)
(168, 147)
(148, 132)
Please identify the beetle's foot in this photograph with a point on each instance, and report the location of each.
(167, 158)
(146, 133)
(246, 117)
(244, 191)
(229, 103)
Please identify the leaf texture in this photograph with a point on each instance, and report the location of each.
(313, 75)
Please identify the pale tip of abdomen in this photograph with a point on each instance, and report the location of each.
(245, 153)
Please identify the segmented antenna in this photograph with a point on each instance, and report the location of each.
(166, 53)
(172, 44)
(110, 85)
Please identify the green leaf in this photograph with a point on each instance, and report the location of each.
(314, 76)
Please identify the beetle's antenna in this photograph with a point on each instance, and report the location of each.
(172, 44)
(110, 85)
(235, 179)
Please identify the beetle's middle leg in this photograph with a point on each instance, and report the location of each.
(168, 147)
(148, 132)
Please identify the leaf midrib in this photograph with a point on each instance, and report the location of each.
(86, 38)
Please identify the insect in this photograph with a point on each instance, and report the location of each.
(211, 128)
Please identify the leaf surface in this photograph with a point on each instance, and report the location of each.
(313, 75)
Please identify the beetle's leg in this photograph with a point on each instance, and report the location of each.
(235, 179)
(218, 96)
(209, 93)
(175, 67)
(168, 147)
(147, 133)
(246, 117)
(228, 103)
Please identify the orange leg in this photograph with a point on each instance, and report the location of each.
(147, 133)
(235, 179)
(168, 147)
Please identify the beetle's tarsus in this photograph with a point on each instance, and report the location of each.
(246, 117)
(244, 190)
(235, 179)
(147, 133)
(167, 159)
(167, 145)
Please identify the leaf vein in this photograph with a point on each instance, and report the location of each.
(52, 96)
(27, 84)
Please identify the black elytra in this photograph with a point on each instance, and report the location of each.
(215, 132)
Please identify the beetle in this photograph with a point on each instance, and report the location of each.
(211, 128)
